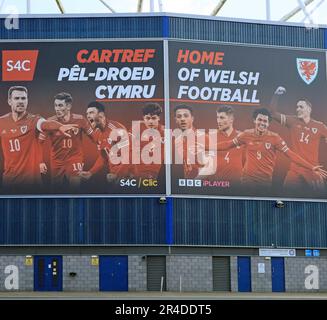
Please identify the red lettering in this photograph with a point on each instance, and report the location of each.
(149, 53)
(138, 55)
(117, 53)
(127, 56)
(207, 57)
(219, 58)
(181, 55)
(80, 55)
(195, 56)
(105, 56)
(94, 56)
(202, 57)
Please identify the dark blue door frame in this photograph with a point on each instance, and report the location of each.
(244, 274)
(277, 274)
(48, 273)
(113, 273)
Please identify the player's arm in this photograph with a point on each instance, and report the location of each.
(52, 125)
(97, 166)
(120, 169)
(324, 131)
(274, 104)
(93, 134)
(301, 162)
(236, 142)
(281, 146)
(283, 119)
(41, 151)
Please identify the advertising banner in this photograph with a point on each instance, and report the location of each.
(82, 117)
(249, 121)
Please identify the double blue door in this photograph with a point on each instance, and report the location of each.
(113, 273)
(244, 274)
(277, 275)
(48, 273)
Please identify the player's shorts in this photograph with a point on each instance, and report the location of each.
(297, 178)
(66, 170)
(21, 180)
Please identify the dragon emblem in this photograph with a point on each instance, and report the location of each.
(307, 69)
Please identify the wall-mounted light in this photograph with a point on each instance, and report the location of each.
(279, 204)
(72, 274)
(162, 200)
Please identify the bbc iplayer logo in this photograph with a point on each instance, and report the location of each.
(189, 183)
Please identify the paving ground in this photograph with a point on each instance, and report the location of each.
(159, 296)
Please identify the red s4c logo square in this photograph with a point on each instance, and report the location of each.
(18, 65)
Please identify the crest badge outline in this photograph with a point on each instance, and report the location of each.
(307, 69)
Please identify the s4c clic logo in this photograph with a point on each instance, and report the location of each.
(19, 65)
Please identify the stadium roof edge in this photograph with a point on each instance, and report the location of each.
(166, 14)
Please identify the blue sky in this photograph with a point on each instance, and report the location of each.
(249, 9)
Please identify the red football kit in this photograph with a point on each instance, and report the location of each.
(305, 138)
(229, 162)
(191, 150)
(21, 150)
(66, 156)
(260, 155)
(105, 142)
(153, 141)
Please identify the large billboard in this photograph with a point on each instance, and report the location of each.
(70, 112)
(256, 117)
(88, 118)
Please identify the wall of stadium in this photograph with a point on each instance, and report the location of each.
(139, 227)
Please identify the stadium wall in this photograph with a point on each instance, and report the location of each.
(195, 227)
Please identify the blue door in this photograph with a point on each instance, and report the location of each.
(113, 273)
(48, 273)
(277, 275)
(244, 274)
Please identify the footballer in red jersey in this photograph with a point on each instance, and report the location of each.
(305, 134)
(229, 162)
(19, 139)
(189, 143)
(66, 155)
(151, 136)
(110, 135)
(261, 146)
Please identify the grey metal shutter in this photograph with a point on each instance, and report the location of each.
(221, 273)
(156, 268)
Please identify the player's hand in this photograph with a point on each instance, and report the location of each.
(43, 168)
(85, 175)
(67, 127)
(280, 90)
(322, 173)
(111, 177)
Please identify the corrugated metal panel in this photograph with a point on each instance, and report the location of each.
(230, 31)
(79, 221)
(221, 273)
(143, 221)
(92, 27)
(249, 223)
(156, 270)
(125, 221)
(39, 221)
